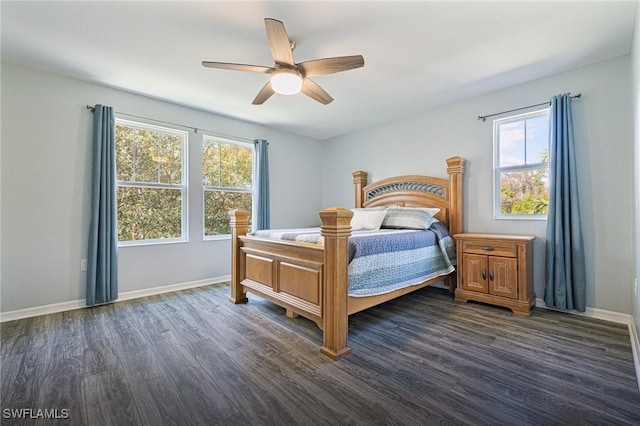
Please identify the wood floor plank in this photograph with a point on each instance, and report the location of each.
(10, 332)
(567, 411)
(623, 411)
(377, 389)
(100, 356)
(562, 357)
(582, 372)
(109, 399)
(140, 366)
(35, 336)
(202, 397)
(125, 333)
(62, 387)
(281, 378)
(504, 396)
(21, 380)
(214, 325)
(237, 382)
(191, 357)
(160, 404)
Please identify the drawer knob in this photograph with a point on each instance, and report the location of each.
(488, 248)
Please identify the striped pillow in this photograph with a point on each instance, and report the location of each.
(409, 217)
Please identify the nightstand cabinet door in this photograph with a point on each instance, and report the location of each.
(503, 276)
(475, 273)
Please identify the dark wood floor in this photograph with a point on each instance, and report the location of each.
(191, 357)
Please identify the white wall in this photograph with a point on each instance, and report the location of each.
(635, 90)
(602, 122)
(45, 172)
(45, 177)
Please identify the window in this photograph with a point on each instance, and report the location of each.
(227, 182)
(151, 183)
(521, 166)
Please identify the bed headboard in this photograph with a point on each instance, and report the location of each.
(417, 191)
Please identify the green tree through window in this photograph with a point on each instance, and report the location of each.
(151, 186)
(521, 146)
(227, 181)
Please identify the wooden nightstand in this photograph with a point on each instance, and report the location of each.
(496, 269)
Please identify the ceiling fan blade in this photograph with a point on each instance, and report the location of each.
(312, 90)
(279, 42)
(237, 67)
(331, 65)
(265, 93)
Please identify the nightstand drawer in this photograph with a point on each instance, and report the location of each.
(493, 248)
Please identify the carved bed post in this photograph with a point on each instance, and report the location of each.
(359, 181)
(239, 221)
(336, 229)
(455, 169)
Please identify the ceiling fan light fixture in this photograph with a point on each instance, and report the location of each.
(286, 76)
(286, 82)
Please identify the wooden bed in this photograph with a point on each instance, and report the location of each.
(311, 280)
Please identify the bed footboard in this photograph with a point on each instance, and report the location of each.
(305, 279)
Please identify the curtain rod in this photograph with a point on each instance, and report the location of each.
(484, 117)
(195, 129)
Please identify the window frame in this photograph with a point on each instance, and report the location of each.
(184, 186)
(205, 188)
(497, 170)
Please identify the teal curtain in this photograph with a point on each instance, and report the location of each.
(261, 190)
(565, 274)
(102, 260)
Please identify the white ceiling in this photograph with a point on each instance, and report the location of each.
(418, 55)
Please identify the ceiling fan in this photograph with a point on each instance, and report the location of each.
(287, 77)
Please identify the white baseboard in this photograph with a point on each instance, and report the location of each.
(592, 313)
(79, 304)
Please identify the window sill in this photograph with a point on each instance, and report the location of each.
(125, 244)
(522, 217)
(217, 237)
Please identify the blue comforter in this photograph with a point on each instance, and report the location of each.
(388, 259)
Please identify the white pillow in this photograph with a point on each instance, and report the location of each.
(367, 219)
